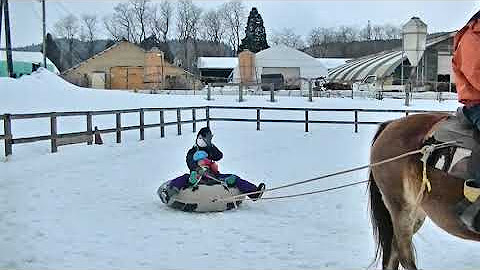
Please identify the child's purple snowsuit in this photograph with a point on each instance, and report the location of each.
(213, 154)
(243, 185)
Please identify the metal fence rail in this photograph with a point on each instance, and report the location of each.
(87, 135)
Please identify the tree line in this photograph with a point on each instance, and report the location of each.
(197, 31)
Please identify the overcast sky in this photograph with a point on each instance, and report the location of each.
(302, 16)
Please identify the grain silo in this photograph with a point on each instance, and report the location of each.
(154, 69)
(246, 63)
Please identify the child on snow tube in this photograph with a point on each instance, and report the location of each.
(201, 161)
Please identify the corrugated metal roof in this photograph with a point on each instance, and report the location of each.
(380, 64)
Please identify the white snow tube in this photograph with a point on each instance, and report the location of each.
(200, 199)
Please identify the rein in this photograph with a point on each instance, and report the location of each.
(426, 150)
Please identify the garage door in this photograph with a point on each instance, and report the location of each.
(126, 77)
(288, 73)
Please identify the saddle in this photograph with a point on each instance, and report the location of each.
(456, 160)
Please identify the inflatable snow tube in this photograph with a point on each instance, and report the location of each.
(200, 199)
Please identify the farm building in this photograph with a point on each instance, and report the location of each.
(288, 62)
(392, 67)
(127, 66)
(24, 63)
(216, 68)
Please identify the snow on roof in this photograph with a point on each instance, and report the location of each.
(284, 56)
(217, 62)
(330, 63)
(21, 56)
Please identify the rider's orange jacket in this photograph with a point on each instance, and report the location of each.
(466, 63)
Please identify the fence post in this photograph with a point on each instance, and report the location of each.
(7, 128)
(306, 120)
(258, 119)
(162, 123)
(209, 92)
(142, 125)
(194, 120)
(356, 121)
(118, 117)
(89, 126)
(179, 124)
(272, 92)
(240, 93)
(207, 115)
(310, 90)
(53, 132)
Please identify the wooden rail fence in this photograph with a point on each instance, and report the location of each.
(57, 139)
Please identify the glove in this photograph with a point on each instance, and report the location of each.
(196, 176)
(231, 180)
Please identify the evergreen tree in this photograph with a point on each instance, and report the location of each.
(255, 36)
(53, 52)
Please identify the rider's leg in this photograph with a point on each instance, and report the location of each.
(471, 217)
(472, 113)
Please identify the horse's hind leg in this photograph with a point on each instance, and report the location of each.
(406, 222)
(394, 261)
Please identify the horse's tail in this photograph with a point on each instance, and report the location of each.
(379, 215)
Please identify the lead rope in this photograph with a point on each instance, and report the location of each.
(426, 150)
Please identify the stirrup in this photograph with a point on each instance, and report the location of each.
(471, 190)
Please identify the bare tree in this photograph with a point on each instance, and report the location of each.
(366, 33)
(188, 21)
(121, 24)
(235, 19)
(392, 32)
(213, 26)
(318, 40)
(141, 13)
(378, 32)
(346, 34)
(161, 19)
(67, 28)
(89, 25)
(287, 37)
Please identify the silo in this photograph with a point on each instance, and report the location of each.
(153, 69)
(246, 64)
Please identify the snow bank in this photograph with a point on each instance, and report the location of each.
(44, 91)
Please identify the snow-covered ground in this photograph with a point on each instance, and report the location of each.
(92, 207)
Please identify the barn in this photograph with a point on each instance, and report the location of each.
(125, 65)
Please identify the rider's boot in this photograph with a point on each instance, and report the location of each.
(471, 190)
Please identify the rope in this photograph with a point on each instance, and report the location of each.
(428, 149)
(315, 192)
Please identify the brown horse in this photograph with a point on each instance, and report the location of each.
(394, 187)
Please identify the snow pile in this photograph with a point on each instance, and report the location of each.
(44, 91)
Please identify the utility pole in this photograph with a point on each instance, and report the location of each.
(44, 36)
(1, 14)
(8, 41)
